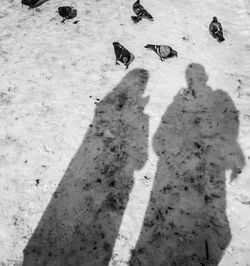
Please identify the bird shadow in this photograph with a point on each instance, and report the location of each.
(82, 220)
(186, 221)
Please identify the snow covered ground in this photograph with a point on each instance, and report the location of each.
(52, 74)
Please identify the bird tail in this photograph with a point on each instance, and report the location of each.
(151, 46)
(146, 15)
(39, 3)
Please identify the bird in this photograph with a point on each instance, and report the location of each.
(164, 51)
(140, 12)
(67, 12)
(122, 54)
(33, 3)
(216, 30)
(136, 19)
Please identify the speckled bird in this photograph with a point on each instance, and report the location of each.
(140, 12)
(67, 12)
(33, 3)
(122, 54)
(164, 51)
(216, 30)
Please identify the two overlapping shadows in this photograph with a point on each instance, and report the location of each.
(185, 222)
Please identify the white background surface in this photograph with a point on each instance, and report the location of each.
(49, 71)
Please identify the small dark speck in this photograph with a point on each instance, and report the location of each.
(37, 182)
(146, 177)
(112, 184)
(90, 125)
(25, 161)
(97, 99)
(90, 96)
(75, 22)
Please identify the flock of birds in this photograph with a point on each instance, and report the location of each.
(121, 53)
(164, 51)
(66, 12)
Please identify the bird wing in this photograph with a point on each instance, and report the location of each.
(219, 26)
(137, 8)
(36, 3)
(215, 27)
(164, 50)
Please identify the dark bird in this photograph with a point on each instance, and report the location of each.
(33, 3)
(122, 55)
(67, 12)
(140, 12)
(164, 51)
(136, 19)
(216, 30)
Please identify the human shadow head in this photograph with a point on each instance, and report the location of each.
(82, 220)
(196, 75)
(130, 90)
(136, 77)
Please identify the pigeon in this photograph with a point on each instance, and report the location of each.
(136, 19)
(122, 54)
(164, 51)
(140, 12)
(216, 30)
(33, 3)
(67, 12)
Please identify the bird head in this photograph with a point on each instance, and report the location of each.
(174, 53)
(215, 19)
(116, 43)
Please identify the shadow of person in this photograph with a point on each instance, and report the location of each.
(81, 222)
(186, 222)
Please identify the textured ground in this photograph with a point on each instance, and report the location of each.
(52, 76)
